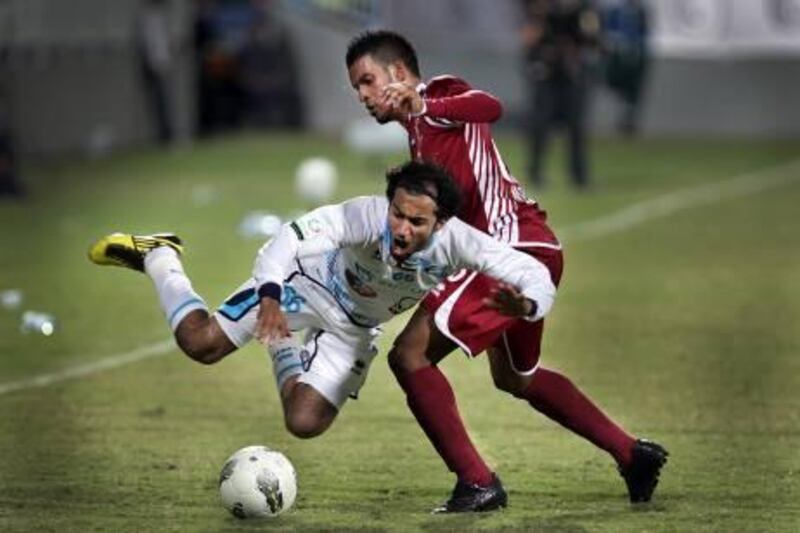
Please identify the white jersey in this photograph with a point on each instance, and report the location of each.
(344, 249)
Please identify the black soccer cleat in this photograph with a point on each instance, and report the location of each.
(468, 498)
(641, 476)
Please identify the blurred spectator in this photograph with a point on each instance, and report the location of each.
(625, 29)
(155, 53)
(560, 38)
(267, 75)
(9, 185)
(246, 72)
(218, 36)
(204, 36)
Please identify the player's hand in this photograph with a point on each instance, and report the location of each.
(402, 97)
(271, 323)
(507, 300)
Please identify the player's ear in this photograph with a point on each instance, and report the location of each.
(398, 71)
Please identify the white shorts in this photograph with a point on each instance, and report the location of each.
(336, 353)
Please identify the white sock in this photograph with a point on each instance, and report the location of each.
(175, 292)
(286, 360)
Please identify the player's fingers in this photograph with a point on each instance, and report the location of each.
(491, 303)
(506, 288)
(263, 336)
(283, 329)
(268, 330)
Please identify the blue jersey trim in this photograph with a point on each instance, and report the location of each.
(239, 304)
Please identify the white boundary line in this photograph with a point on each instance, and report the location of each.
(627, 217)
(113, 361)
(687, 198)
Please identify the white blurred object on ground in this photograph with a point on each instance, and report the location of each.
(38, 322)
(11, 298)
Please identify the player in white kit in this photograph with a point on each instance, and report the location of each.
(337, 273)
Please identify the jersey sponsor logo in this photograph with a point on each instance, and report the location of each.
(363, 271)
(358, 285)
(399, 275)
(340, 293)
(404, 277)
(308, 227)
(403, 304)
(435, 271)
(364, 320)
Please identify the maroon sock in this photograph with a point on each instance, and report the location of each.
(557, 397)
(431, 399)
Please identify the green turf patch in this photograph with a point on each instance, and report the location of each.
(684, 328)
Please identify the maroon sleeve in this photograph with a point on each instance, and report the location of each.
(453, 99)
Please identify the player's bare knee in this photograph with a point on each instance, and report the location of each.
(307, 414)
(198, 340)
(507, 380)
(304, 425)
(395, 362)
(405, 358)
(509, 384)
(199, 350)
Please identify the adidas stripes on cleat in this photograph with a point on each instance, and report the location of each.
(126, 250)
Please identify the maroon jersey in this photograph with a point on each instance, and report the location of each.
(454, 133)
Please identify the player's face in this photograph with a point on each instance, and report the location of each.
(412, 220)
(368, 77)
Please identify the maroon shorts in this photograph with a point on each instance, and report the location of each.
(460, 315)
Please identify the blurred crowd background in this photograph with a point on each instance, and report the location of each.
(93, 76)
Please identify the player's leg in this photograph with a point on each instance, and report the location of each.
(201, 338)
(307, 413)
(158, 256)
(514, 362)
(430, 398)
(316, 380)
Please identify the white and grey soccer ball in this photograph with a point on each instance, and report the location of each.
(257, 482)
(316, 179)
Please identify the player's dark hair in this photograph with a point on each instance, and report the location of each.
(385, 46)
(429, 179)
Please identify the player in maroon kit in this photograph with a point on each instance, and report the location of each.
(448, 123)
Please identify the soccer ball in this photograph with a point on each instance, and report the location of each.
(257, 482)
(315, 180)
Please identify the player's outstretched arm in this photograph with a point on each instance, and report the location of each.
(470, 106)
(523, 276)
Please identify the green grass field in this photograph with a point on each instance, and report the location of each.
(684, 327)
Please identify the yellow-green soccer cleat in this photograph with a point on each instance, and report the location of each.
(126, 250)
